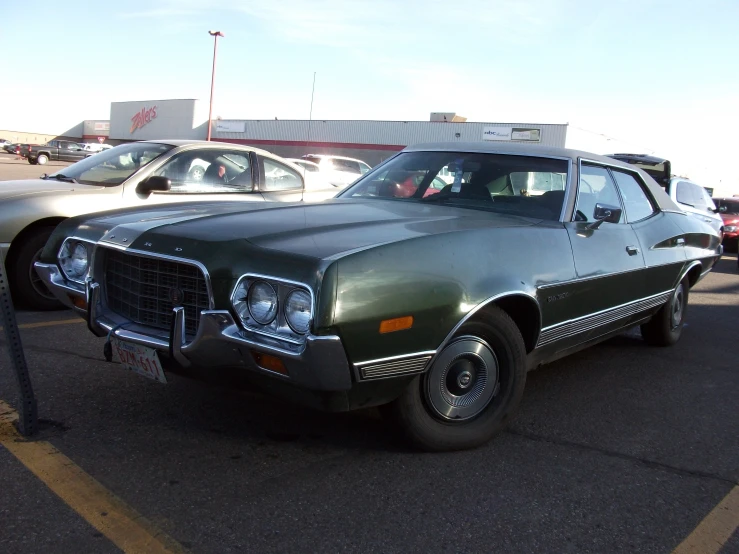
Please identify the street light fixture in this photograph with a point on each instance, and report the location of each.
(215, 35)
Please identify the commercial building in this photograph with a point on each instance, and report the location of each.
(371, 141)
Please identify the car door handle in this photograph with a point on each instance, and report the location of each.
(632, 250)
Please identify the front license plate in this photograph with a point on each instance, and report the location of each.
(139, 359)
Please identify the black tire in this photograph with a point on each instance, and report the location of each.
(666, 326)
(416, 411)
(25, 284)
(32, 162)
(41, 159)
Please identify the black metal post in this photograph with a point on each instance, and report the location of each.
(27, 413)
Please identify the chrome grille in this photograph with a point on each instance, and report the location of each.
(141, 289)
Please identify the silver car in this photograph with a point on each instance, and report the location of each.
(134, 174)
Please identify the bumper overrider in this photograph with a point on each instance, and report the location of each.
(320, 363)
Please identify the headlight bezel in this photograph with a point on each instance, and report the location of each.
(72, 243)
(279, 327)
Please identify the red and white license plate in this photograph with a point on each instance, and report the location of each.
(139, 359)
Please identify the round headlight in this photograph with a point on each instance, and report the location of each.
(298, 311)
(262, 302)
(74, 260)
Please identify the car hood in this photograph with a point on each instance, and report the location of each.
(321, 230)
(28, 187)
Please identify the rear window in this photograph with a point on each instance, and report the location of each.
(727, 206)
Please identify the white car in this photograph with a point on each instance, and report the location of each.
(692, 198)
(312, 174)
(94, 146)
(339, 171)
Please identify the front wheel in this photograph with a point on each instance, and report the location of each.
(42, 159)
(471, 390)
(666, 326)
(25, 283)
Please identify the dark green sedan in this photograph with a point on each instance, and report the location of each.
(431, 304)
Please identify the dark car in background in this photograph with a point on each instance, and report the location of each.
(433, 306)
(728, 209)
(58, 150)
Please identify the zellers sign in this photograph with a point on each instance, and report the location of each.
(143, 118)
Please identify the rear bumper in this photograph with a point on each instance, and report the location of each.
(320, 364)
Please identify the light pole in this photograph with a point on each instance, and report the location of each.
(215, 35)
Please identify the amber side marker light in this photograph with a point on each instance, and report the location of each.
(78, 302)
(269, 362)
(397, 324)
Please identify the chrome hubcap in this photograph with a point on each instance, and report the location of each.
(677, 308)
(463, 379)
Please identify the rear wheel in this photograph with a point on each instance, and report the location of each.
(42, 159)
(32, 162)
(25, 283)
(666, 326)
(471, 390)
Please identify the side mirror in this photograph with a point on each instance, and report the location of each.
(155, 183)
(604, 212)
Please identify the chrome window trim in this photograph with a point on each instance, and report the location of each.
(568, 193)
(199, 265)
(607, 167)
(280, 308)
(90, 260)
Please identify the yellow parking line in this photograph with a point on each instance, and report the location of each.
(715, 529)
(48, 323)
(107, 513)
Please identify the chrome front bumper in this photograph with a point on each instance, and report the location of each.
(319, 364)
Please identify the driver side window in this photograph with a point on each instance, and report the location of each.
(208, 171)
(596, 187)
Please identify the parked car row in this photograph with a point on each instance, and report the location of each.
(432, 306)
(134, 174)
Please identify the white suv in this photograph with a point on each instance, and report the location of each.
(339, 170)
(692, 198)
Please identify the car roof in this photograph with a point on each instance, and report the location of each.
(494, 147)
(212, 144)
(332, 156)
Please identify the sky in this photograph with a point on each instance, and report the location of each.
(651, 76)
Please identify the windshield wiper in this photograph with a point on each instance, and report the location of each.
(60, 177)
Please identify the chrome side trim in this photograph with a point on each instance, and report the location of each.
(154, 255)
(394, 358)
(479, 307)
(687, 269)
(591, 278)
(400, 365)
(592, 321)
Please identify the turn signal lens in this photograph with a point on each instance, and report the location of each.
(269, 362)
(78, 302)
(397, 324)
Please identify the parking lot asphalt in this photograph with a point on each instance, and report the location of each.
(619, 448)
(13, 168)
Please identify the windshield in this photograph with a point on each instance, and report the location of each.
(517, 185)
(113, 166)
(728, 206)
